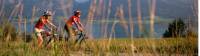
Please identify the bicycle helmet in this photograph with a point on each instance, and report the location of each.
(47, 13)
(77, 12)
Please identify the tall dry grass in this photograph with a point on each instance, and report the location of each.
(130, 18)
(152, 16)
(139, 16)
(168, 46)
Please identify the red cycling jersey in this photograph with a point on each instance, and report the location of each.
(40, 24)
(72, 20)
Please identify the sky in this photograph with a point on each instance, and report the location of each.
(81, 1)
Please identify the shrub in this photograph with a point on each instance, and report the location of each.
(176, 29)
(7, 31)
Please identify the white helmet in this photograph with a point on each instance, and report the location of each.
(77, 12)
(48, 13)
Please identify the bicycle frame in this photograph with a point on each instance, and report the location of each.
(81, 37)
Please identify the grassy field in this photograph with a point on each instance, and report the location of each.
(121, 47)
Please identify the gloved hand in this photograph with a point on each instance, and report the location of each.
(80, 29)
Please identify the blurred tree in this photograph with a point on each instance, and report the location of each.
(176, 29)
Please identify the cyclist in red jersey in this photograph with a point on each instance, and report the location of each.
(43, 20)
(72, 23)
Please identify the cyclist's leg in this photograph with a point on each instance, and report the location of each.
(73, 32)
(70, 32)
(39, 36)
(48, 39)
(67, 31)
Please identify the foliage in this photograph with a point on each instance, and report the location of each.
(102, 47)
(176, 29)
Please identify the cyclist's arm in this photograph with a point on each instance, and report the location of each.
(77, 24)
(48, 27)
(51, 24)
(80, 24)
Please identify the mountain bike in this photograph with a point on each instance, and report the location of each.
(48, 38)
